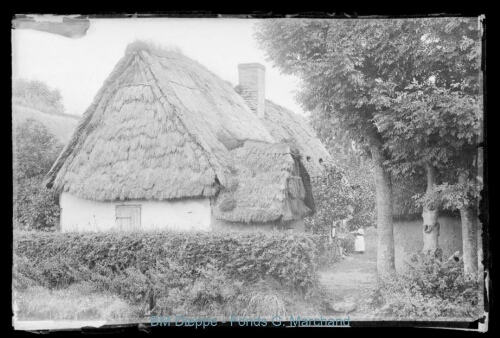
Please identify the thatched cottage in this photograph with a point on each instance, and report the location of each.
(168, 144)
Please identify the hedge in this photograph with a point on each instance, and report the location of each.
(137, 265)
(290, 259)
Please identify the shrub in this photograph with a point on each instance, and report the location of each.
(346, 241)
(35, 150)
(171, 272)
(211, 293)
(264, 298)
(332, 197)
(339, 195)
(429, 288)
(327, 252)
(37, 207)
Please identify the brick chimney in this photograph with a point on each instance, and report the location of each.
(252, 82)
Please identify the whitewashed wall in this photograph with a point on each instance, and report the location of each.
(408, 238)
(79, 214)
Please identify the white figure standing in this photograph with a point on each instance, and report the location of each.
(359, 243)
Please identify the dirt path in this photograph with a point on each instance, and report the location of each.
(349, 282)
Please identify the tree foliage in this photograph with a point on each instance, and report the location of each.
(357, 170)
(430, 124)
(458, 195)
(37, 94)
(436, 120)
(413, 83)
(35, 150)
(338, 196)
(347, 67)
(333, 197)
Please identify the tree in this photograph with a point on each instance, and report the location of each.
(37, 94)
(462, 195)
(433, 124)
(436, 129)
(338, 63)
(338, 198)
(332, 197)
(35, 150)
(347, 67)
(357, 171)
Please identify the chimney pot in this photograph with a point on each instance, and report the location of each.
(252, 81)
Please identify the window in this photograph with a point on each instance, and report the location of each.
(128, 217)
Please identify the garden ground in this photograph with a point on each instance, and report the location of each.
(349, 283)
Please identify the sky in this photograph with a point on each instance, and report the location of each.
(79, 67)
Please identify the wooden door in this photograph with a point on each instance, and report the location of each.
(128, 217)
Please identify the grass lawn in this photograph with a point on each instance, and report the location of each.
(83, 302)
(78, 302)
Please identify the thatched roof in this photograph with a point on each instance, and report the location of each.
(286, 126)
(153, 131)
(268, 185)
(164, 127)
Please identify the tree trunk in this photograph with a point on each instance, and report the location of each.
(480, 266)
(385, 247)
(468, 214)
(430, 228)
(469, 238)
